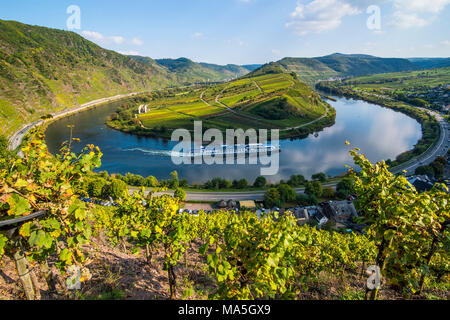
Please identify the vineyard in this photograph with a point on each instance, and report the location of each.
(273, 101)
(214, 256)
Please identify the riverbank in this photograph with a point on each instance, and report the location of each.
(324, 152)
(431, 130)
(16, 138)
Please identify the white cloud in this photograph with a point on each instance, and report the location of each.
(117, 39)
(197, 35)
(137, 41)
(416, 13)
(430, 6)
(319, 16)
(234, 42)
(105, 40)
(276, 52)
(129, 53)
(97, 36)
(406, 20)
(446, 42)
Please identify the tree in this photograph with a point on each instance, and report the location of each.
(116, 189)
(314, 188)
(296, 180)
(151, 181)
(287, 193)
(424, 170)
(345, 188)
(320, 176)
(271, 198)
(174, 182)
(438, 168)
(241, 184)
(306, 200)
(260, 182)
(183, 183)
(96, 186)
(328, 192)
(180, 194)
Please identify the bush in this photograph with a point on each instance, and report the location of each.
(219, 183)
(180, 194)
(272, 198)
(151, 181)
(4, 151)
(95, 187)
(116, 189)
(328, 192)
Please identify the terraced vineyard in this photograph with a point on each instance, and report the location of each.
(272, 101)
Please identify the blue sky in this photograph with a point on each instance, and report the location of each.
(249, 31)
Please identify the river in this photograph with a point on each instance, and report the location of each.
(379, 132)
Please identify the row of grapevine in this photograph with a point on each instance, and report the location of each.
(249, 257)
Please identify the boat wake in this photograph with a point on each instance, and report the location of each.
(251, 149)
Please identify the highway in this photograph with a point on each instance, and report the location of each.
(439, 148)
(217, 195)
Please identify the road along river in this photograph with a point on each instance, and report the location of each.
(379, 132)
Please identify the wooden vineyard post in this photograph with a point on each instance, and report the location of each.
(22, 269)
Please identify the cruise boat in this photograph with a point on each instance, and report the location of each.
(246, 149)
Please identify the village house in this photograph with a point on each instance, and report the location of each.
(142, 109)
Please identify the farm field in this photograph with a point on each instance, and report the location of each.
(425, 88)
(272, 101)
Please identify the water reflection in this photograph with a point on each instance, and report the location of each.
(379, 132)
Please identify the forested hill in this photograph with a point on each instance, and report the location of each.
(187, 70)
(45, 70)
(339, 65)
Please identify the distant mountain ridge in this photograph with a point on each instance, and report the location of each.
(187, 70)
(336, 65)
(430, 63)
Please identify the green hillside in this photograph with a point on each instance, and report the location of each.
(46, 70)
(187, 70)
(337, 65)
(430, 63)
(423, 88)
(270, 101)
